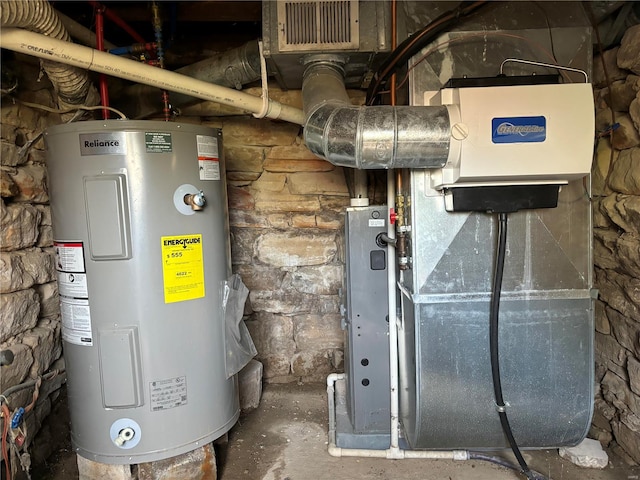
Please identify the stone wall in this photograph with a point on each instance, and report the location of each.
(286, 209)
(616, 206)
(286, 215)
(29, 310)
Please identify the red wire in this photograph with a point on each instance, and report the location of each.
(5, 430)
(104, 91)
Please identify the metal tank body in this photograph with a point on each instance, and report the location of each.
(141, 277)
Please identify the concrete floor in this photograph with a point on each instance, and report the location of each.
(286, 439)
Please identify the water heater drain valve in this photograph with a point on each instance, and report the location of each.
(195, 200)
(124, 436)
(125, 433)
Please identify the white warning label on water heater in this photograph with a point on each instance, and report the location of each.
(74, 293)
(76, 321)
(69, 256)
(208, 157)
(70, 268)
(168, 393)
(73, 284)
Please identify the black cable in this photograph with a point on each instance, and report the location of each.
(416, 42)
(503, 463)
(489, 458)
(494, 310)
(398, 56)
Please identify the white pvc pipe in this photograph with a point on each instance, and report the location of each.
(68, 53)
(394, 452)
(390, 453)
(360, 189)
(393, 328)
(331, 402)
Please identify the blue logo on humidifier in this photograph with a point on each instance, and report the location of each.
(518, 130)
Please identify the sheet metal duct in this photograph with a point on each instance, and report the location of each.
(368, 136)
(293, 29)
(546, 315)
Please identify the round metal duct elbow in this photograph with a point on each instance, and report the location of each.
(368, 137)
(379, 137)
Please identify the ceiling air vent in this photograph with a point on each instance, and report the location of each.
(317, 25)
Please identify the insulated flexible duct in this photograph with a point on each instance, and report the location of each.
(71, 84)
(368, 136)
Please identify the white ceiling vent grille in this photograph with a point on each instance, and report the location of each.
(317, 25)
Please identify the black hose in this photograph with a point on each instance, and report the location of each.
(490, 458)
(503, 463)
(382, 240)
(494, 310)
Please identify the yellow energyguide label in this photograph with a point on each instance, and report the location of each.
(182, 268)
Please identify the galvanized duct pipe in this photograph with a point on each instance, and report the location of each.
(81, 33)
(71, 84)
(233, 68)
(368, 136)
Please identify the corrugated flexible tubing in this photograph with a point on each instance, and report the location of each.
(72, 85)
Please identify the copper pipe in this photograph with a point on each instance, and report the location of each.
(401, 234)
(394, 34)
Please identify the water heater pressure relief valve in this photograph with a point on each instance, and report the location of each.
(195, 200)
